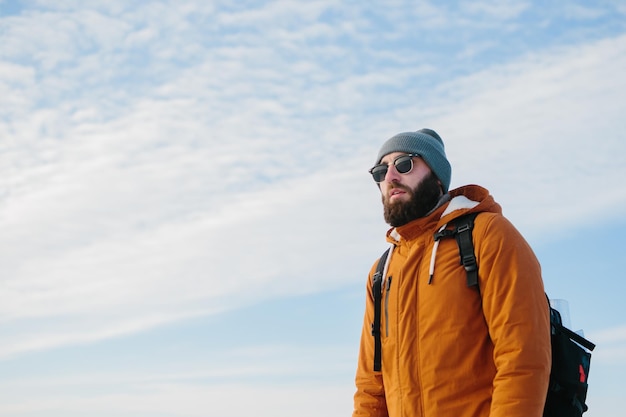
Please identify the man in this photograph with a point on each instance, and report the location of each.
(449, 350)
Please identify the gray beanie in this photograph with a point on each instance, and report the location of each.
(428, 145)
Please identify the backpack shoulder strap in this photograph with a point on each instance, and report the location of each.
(377, 281)
(463, 234)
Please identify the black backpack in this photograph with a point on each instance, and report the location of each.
(571, 353)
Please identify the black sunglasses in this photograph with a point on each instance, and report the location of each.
(403, 164)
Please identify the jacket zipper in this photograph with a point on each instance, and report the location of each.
(387, 307)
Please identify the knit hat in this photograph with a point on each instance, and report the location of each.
(428, 145)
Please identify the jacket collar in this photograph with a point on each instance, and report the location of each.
(458, 202)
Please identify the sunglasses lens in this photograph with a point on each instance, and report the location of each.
(403, 164)
(379, 172)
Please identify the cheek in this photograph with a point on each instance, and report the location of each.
(417, 176)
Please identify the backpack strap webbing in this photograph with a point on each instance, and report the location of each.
(377, 281)
(463, 234)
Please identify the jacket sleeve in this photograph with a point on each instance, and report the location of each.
(369, 399)
(517, 315)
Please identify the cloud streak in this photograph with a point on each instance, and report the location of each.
(176, 161)
(146, 208)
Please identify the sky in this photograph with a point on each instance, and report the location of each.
(186, 217)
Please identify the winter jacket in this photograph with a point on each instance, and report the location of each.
(449, 350)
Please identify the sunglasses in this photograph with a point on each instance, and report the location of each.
(403, 164)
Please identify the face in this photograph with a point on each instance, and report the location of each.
(408, 196)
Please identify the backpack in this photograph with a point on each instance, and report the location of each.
(571, 353)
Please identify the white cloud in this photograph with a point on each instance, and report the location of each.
(198, 400)
(176, 160)
(123, 198)
(227, 383)
(540, 130)
(577, 11)
(499, 10)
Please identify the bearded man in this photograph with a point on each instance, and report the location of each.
(448, 349)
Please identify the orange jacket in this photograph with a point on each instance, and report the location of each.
(448, 350)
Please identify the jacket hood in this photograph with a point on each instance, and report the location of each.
(469, 199)
(462, 200)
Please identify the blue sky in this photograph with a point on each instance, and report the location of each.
(186, 218)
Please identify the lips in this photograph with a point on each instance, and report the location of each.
(396, 192)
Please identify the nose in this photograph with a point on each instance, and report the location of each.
(392, 174)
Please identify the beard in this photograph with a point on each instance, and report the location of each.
(423, 198)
